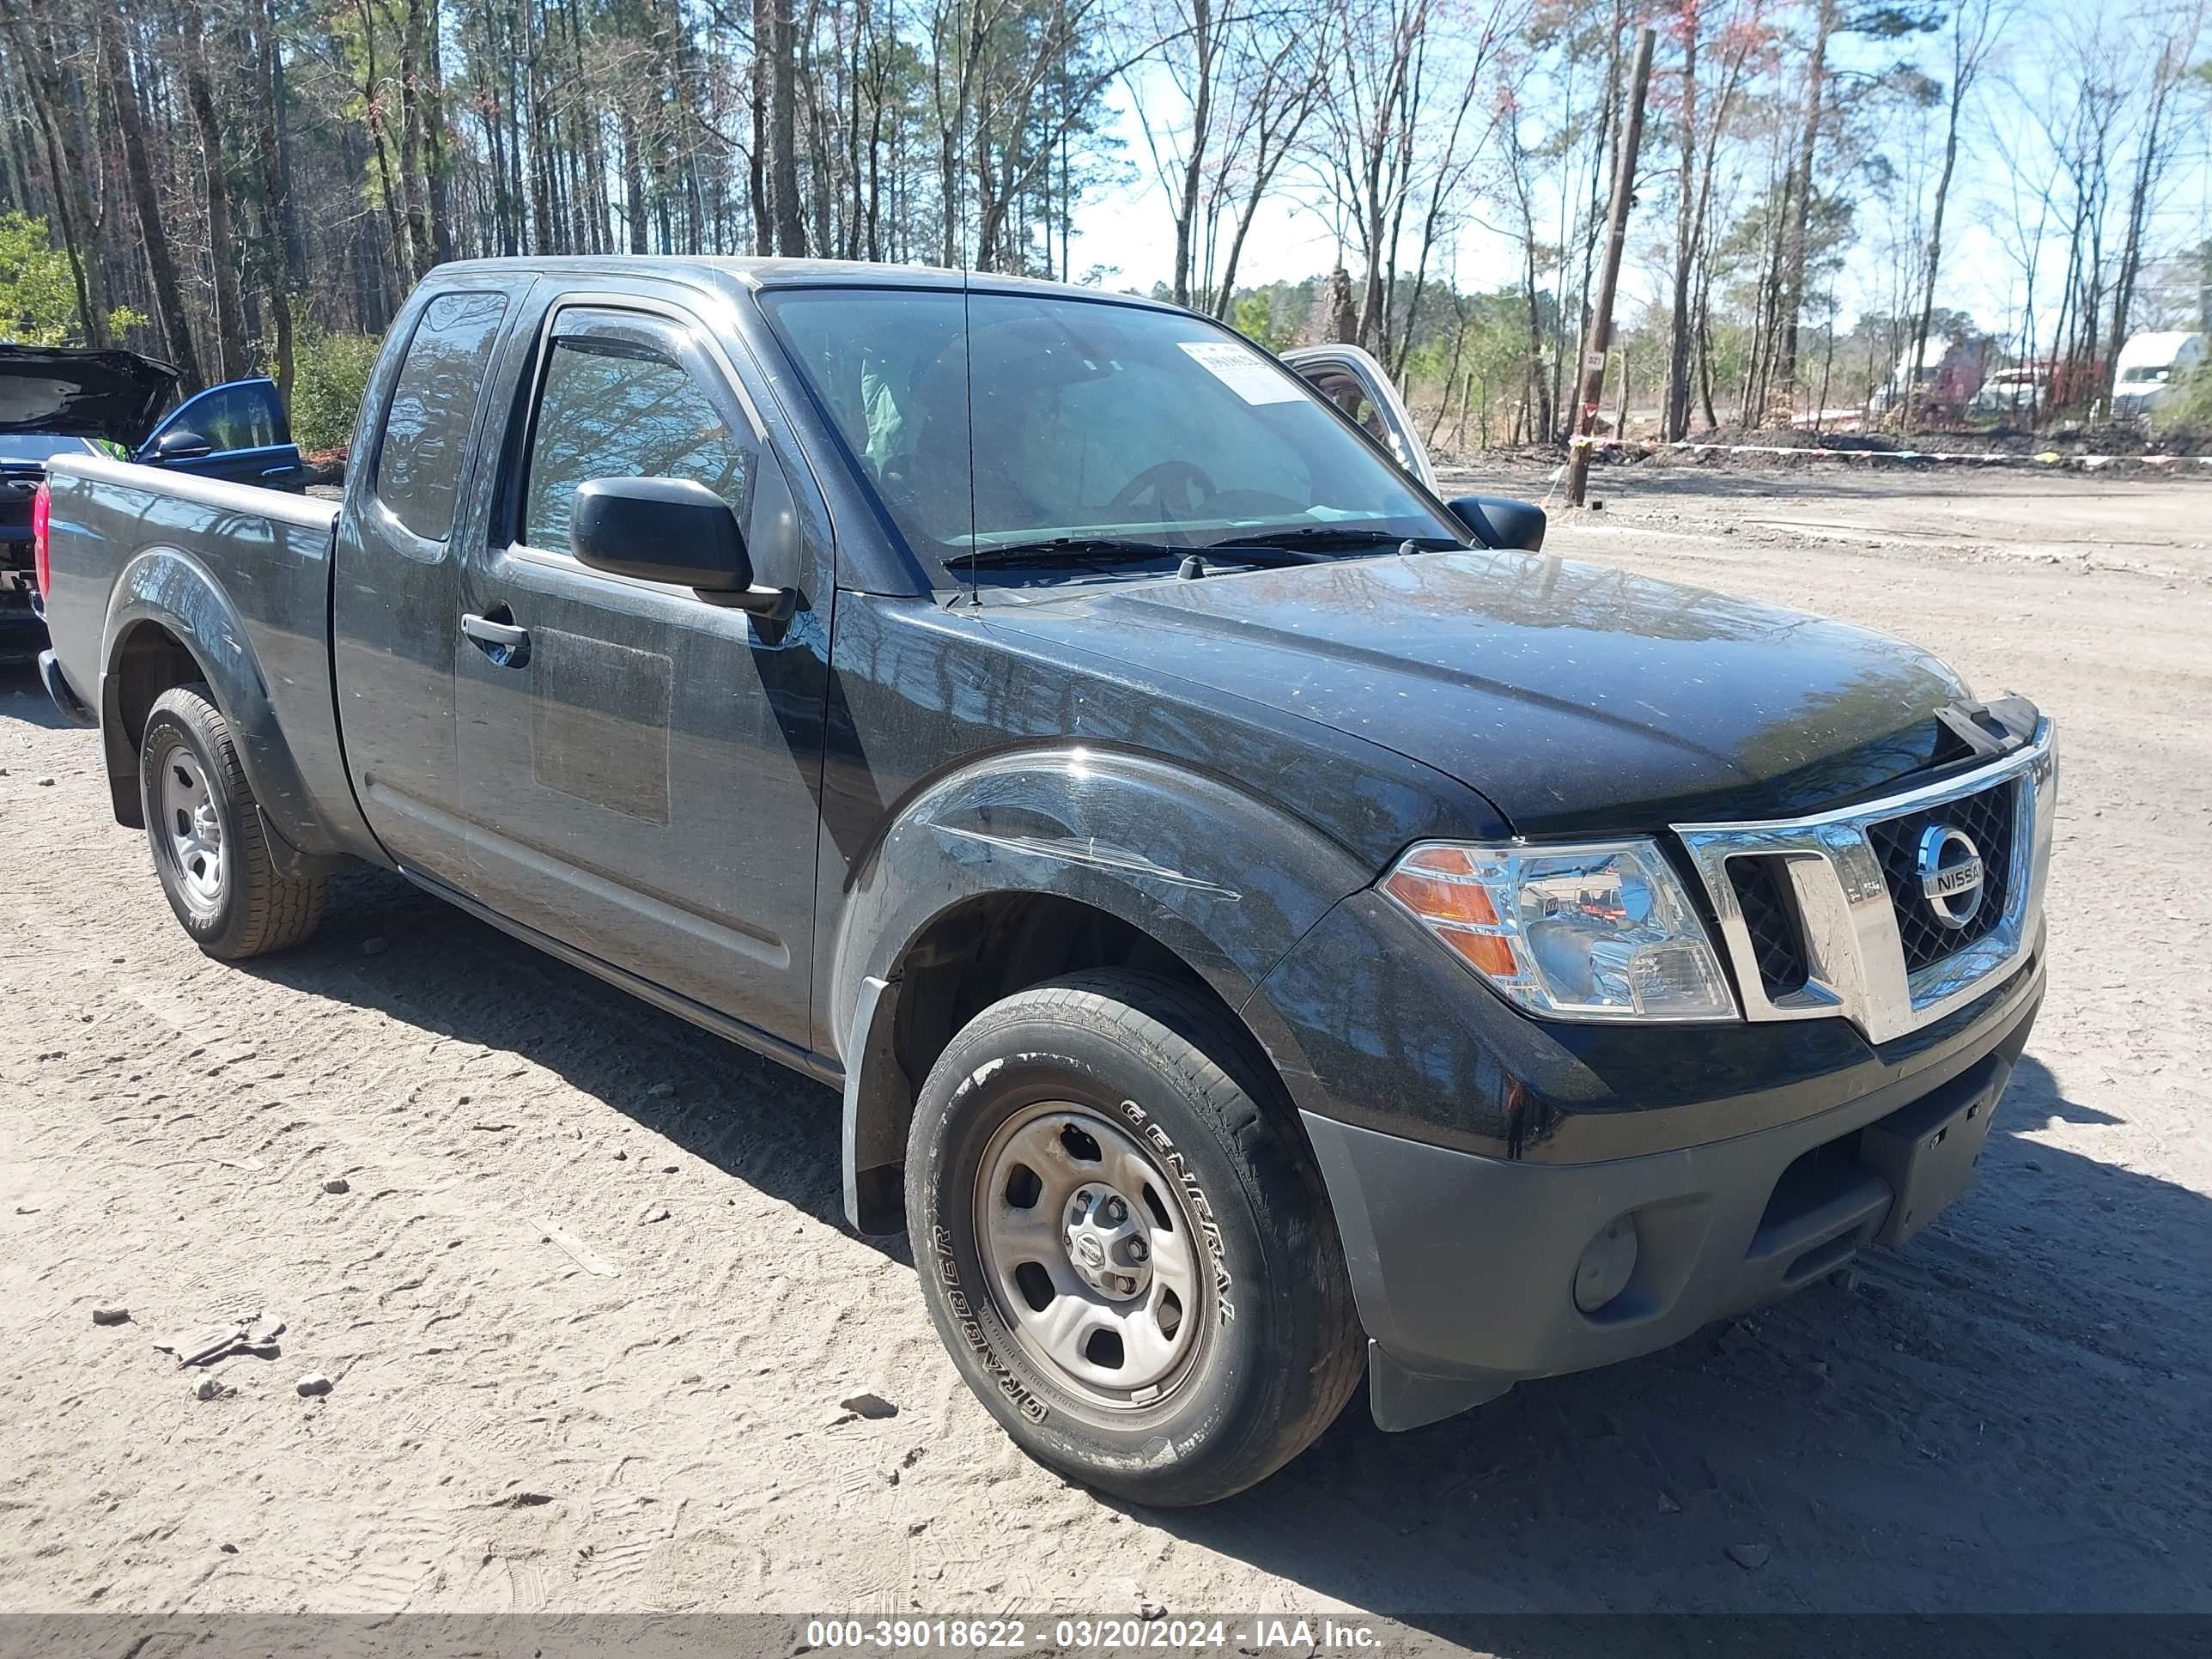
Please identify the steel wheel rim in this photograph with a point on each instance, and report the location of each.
(1069, 1305)
(190, 831)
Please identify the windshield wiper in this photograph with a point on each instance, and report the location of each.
(1073, 547)
(1320, 537)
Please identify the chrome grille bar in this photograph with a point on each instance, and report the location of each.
(1853, 947)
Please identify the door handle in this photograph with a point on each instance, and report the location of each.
(503, 642)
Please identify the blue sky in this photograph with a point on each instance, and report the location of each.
(1129, 229)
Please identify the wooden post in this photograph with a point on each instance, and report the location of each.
(1592, 378)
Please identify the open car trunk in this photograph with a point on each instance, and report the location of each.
(75, 393)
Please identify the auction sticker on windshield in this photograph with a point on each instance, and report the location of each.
(1250, 376)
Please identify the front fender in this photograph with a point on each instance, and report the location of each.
(1227, 881)
(166, 586)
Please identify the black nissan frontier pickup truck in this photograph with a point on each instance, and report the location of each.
(1269, 925)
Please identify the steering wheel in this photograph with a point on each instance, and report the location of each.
(1177, 487)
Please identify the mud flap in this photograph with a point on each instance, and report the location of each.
(879, 1106)
(289, 861)
(1401, 1399)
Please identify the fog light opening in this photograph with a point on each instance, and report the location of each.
(1608, 1263)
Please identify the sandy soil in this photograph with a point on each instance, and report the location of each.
(589, 1309)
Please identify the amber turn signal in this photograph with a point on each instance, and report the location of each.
(1439, 885)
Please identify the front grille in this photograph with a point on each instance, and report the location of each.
(1777, 939)
(1987, 818)
(1852, 904)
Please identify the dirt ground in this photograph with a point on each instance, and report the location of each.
(590, 1310)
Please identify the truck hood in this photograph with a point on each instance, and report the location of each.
(79, 394)
(1574, 698)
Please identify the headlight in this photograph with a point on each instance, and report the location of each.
(1597, 931)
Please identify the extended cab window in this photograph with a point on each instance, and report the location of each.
(434, 408)
(615, 407)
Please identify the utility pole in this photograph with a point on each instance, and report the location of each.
(1592, 383)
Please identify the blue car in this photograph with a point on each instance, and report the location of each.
(67, 401)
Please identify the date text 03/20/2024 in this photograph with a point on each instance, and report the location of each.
(1015, 1635)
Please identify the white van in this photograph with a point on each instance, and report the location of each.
(2149, 364)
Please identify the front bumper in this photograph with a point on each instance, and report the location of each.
(1463, 1266)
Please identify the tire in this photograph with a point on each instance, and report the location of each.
(1190, 1401)
(204, 829)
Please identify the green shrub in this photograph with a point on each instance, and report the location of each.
(1254, 317)
(37, 289)
(330, 372)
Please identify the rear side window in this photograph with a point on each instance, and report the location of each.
(618, 409)
(434, 408)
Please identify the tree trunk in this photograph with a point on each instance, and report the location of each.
(1966, 55)
(763, 81)
(782, 137)
(1675, 424)
(545, 225)
(1792, 294)
(1912, 411)
(1225, 294)
(402, 261)
(1605, 163)
(519, 228)
(1194, 168)
(2150, 163)
(1339, 322)
(231, 360)
(286, 276)
(434, 169)
(38, 54)
(131, 117)
(410, 138)
(633, 184)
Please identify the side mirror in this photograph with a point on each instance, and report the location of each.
(178, 444)
(1500, 521)
(671, 530)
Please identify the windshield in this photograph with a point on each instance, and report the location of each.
(39, 447)
(988, 420)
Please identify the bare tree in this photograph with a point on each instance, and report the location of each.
(285, 169)
(1975, 26)
(2154, 155)
(1798, 204)
(1273, 101)
(1221, 92)
(41, 53)
(123, 97)
(231, 359)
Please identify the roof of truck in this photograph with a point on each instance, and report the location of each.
(759, 273)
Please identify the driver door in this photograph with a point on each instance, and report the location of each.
(1361, 387)
(638, 766)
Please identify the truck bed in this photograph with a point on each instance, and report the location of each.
(247, 572)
